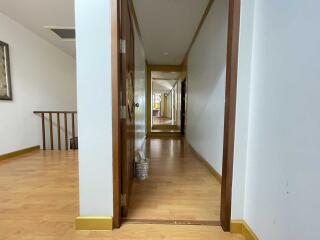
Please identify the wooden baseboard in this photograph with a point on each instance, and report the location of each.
(19, 152)
(94, 223)
(211, 169)
(241, 227)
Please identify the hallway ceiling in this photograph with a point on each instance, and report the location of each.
(35, 14)
(167, 27)
(163, 85)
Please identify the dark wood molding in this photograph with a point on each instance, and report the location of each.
(116, 148)
(39, 112)
(148, 100)
(204, 16)
(230, 112)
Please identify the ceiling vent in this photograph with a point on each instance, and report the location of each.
(65, 33)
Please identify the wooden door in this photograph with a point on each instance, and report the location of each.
(183, 107)
(127, 104)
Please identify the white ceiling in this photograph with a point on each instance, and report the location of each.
(35, 14)
(168, 26)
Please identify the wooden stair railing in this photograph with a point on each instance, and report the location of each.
(43, 115)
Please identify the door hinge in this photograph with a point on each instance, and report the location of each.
(123, 112)
(123, 200)
(122, 46)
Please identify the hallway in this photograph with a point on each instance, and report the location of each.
(180, 187)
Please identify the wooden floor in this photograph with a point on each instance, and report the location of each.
(180, 187)
(164, 125)
(162, 121)
(39, 201)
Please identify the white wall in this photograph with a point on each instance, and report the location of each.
(282, 189)
(93, 28)
(43, 78)
(242, 114)
(140, 92)
(206, 86)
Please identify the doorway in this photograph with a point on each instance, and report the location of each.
(230, 102)
(165, 114)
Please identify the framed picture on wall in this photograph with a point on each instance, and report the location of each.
(5, 77)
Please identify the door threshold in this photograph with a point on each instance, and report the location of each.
(172, 222)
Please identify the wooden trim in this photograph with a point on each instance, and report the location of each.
(241, 227)
(58, 131)
(19, 152)
(148, 100)
(230, 112)
(66, 131)
(94, 223)
(204, 16)
(72, 125)
(51, 131)
(37, 112)
(205, 162)
(43, 132)
(116, 146)
(160, 68)
(172, 222)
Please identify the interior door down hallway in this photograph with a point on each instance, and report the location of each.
(127, 104)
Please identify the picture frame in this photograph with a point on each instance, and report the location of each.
(5, 75)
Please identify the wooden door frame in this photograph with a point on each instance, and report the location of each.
(229, 120)
(150, 69)
(116, 121)
(230, 112)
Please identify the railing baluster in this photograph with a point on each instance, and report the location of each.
(58, 131)
(51, 117)
(51, 130)
(73, 128)
(66, 130)
(43, 132)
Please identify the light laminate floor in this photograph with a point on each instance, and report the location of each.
(180, 187)
(39, 201)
